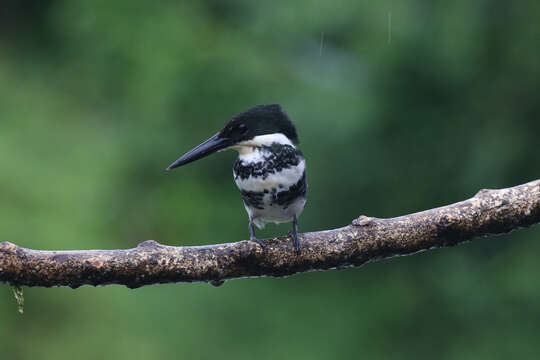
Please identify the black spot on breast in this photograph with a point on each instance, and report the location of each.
(276, 158)
(253, 199)
(286, 198)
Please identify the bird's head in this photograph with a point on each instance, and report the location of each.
(252, 127)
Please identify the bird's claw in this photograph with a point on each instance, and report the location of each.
(258, 241)
(295, 241)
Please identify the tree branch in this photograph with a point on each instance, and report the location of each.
(366, 239)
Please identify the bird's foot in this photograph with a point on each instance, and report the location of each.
(296, 243)
(258, 241)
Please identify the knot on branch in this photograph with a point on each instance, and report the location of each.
(149, 244)
(483, 192)
(363, 220)
(7, 247)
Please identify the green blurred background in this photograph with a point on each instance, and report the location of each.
(400, 107)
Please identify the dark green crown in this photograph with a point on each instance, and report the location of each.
(259, 120)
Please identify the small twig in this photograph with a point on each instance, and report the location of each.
(19, 297)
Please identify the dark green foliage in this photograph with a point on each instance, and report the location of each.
(98, 97)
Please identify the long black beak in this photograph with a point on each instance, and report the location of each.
(210, 146)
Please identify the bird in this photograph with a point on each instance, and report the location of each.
(270, 171)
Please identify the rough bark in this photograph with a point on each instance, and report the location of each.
(366, 239)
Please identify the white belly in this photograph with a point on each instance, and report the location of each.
(275, 213)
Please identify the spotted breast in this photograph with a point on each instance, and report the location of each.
(272, 181)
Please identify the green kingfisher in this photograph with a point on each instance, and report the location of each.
(270, 171)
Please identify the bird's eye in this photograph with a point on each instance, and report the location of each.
(242, 128)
